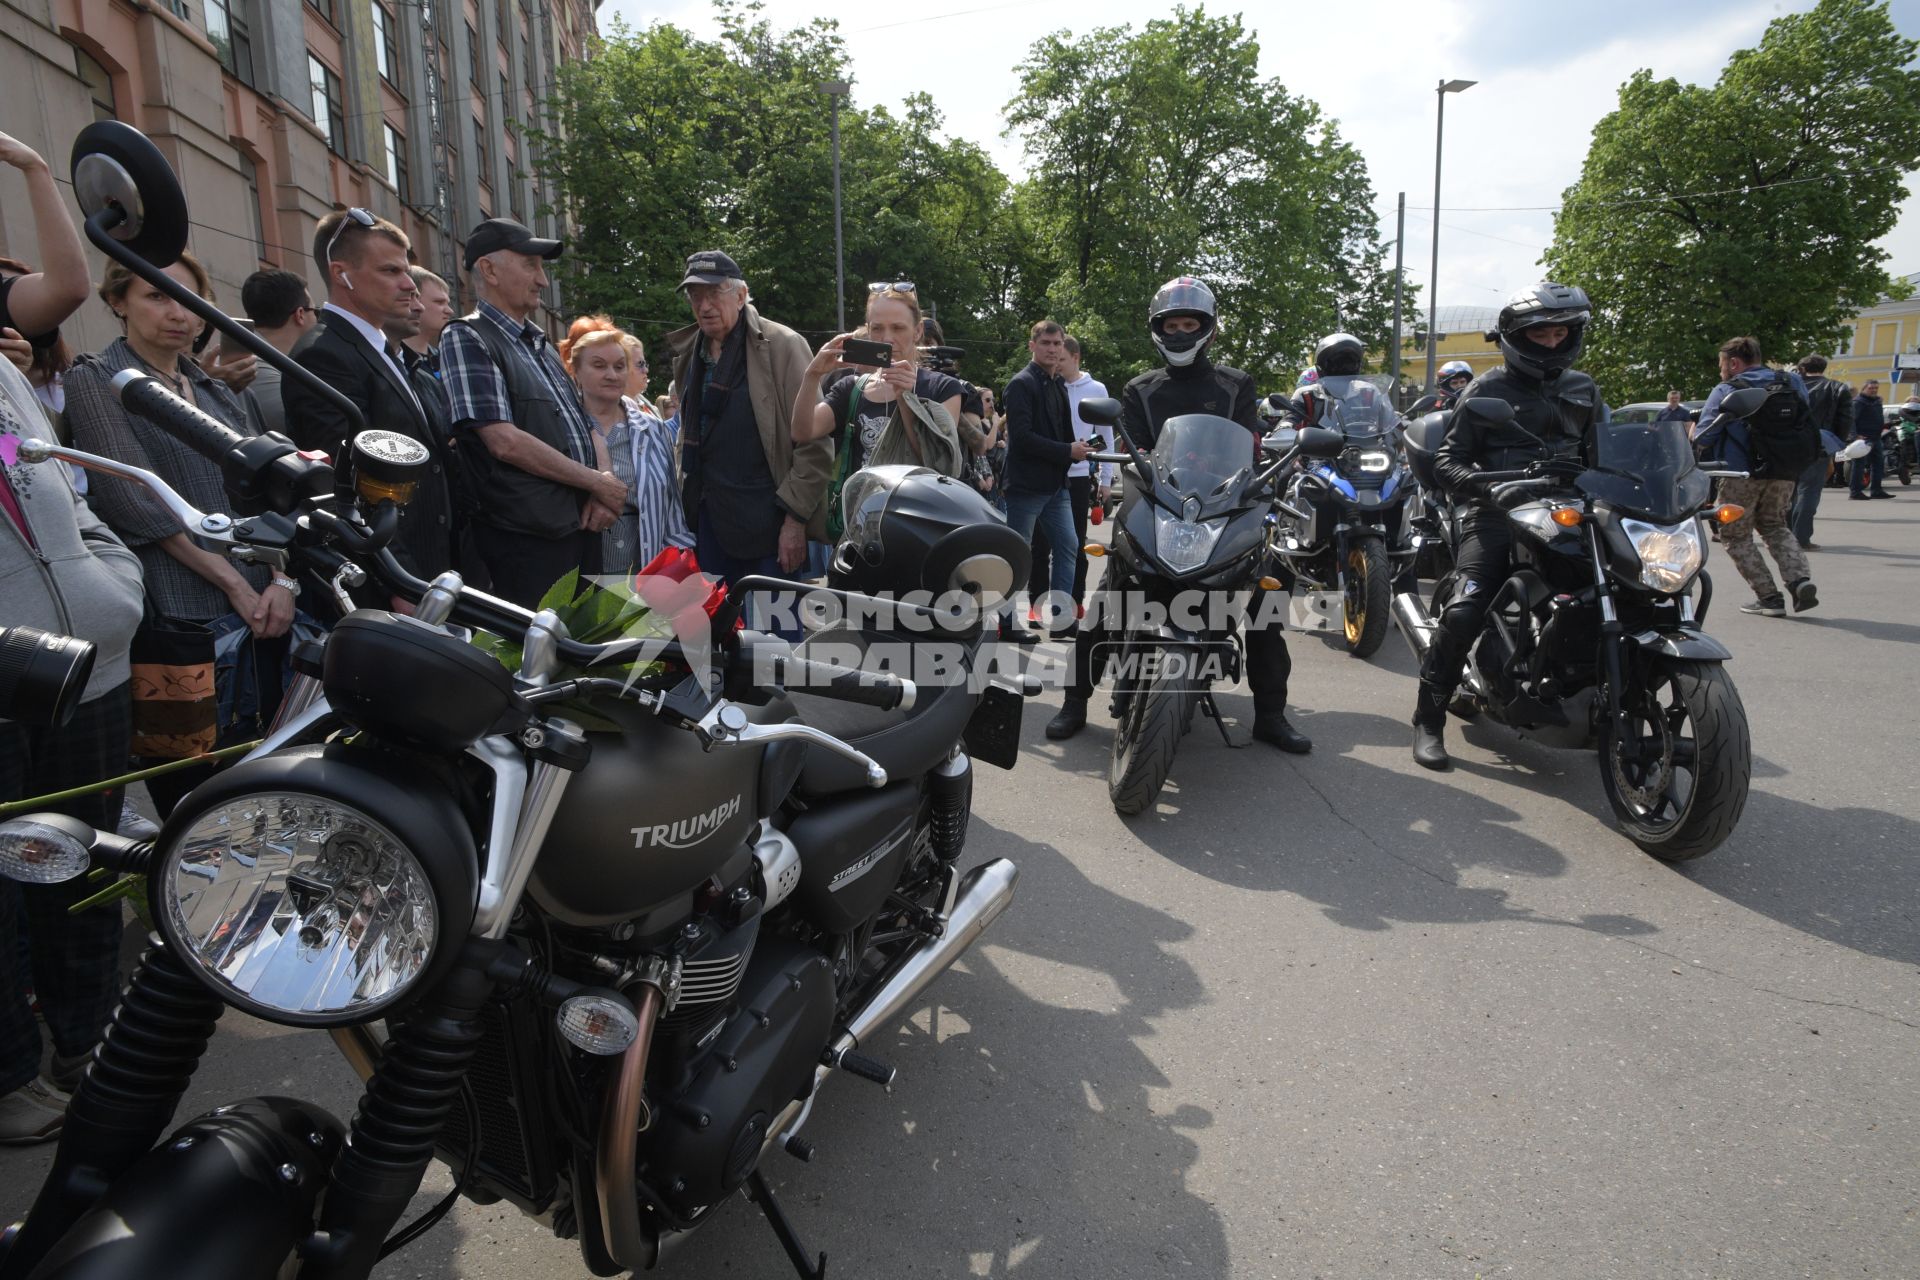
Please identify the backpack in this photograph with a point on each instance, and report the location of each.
(1782, 438)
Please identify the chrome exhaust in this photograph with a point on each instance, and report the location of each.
(1415, 623)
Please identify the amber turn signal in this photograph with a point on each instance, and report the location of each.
(1728, 512)
(1269, 584)
(1095, 550)
(1567, 517)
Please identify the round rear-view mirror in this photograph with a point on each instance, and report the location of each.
(115, 166)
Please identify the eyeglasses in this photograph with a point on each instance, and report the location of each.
(894, 286)
(358, 216)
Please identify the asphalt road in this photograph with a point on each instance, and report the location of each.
(1338, 1017)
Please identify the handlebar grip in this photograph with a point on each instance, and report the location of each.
(204, 434)
(848, 684)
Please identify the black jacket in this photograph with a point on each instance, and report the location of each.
(1831, 404)
(340, 357)
(1201, 387)
(1869, 417)
(1039, 431)
(1550, 420)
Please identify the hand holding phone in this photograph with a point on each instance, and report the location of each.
(861, 351)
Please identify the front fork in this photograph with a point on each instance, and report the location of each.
(1614, 643)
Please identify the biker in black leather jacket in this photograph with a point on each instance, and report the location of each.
(1181, 321)
(1556, 407)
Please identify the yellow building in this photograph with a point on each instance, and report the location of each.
(1463, 336)
(1875, 337)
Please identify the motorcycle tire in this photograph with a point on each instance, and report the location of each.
(1144, 745)
(1369, 590)
(1678, 695)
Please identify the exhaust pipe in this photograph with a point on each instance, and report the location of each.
(985, 892)
(1415, 623)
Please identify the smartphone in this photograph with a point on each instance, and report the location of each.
(874, 355)
(231, 350)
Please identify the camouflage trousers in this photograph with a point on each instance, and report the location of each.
(1768, 504)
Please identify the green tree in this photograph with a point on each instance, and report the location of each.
(1161, 152)
(1748, 207)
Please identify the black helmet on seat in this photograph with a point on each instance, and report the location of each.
(1539, 304)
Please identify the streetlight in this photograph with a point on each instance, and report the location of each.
(1433, 278)
(838, 89)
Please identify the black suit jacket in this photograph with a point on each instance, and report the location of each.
(1039, 431)
(340, 357)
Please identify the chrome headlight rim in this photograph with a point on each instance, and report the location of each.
(411, 806)
(1659, 570)
(1195, 538)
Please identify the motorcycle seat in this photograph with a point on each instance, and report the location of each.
(904, 743)
(1423, 438)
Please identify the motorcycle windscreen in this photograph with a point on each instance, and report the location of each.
(1646, 468)
(1199, 455)
(1357, 408)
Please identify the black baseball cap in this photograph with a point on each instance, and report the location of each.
(710, 266)
(496, 234)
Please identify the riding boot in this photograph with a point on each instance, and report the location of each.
(1430, 727)
(1270, 725)
(1071, 718)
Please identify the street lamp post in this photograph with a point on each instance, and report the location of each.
(838, 89)
(1433, 278)
(1399, 256)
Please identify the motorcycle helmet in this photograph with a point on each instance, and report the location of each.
(912, 529)
(1538, 304)
(1182, 296)
(1338, 355)
(1308, 377)
(1455, 369)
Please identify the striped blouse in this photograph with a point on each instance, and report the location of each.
(653, 494)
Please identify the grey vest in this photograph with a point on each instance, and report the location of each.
(504, 496)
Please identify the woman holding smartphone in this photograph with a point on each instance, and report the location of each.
(893, 318)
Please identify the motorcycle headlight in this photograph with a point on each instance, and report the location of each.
(1184, 545)
(1374, 462)
(1669, 554)
(297, 907)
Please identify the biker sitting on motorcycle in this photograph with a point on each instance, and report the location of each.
(1454, 377)
(1338, 397)
(1556, 408)
(1182, 322)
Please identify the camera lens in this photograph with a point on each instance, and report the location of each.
(42, 675)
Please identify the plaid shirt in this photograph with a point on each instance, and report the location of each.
(478, 391)
(101, 425)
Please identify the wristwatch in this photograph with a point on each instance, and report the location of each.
(289, 585)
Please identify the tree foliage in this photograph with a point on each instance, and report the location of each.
(1152, 153)
(1747, 207)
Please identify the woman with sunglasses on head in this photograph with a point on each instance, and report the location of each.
(630, 441)
(893, 317)
(184, 581)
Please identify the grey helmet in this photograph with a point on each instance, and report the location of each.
(1339, 354)
(1539, 304)
(1182, 296)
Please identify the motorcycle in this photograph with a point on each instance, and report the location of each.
(1344, 526)
(1196, 518)
(621, 908)
(1596, 633)
(1897, 441)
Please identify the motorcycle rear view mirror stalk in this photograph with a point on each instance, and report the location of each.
(136, 214)
(1104, 411)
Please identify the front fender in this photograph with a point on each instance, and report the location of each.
(227, 1197)
(1694, 646)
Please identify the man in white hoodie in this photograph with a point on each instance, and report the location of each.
(1086, 481)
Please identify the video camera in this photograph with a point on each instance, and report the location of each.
(943, 359)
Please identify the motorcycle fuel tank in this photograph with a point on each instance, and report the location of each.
(649, 817)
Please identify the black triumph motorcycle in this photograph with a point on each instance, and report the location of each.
(1595, 635)
(600, 971)
(1194, 528)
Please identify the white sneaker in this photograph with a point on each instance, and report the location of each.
(135, 825)
(32, 1113)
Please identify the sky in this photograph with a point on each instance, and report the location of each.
(1546, 71)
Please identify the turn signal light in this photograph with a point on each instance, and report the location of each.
(1567, 517)
(1728, 512)
(1095, 549)
(1269, 584)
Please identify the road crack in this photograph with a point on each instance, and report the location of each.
(1771, 991)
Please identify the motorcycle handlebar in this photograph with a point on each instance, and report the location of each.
(198, 430)
(848, 684)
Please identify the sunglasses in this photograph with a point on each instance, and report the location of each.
(359, 217)
(894, 286)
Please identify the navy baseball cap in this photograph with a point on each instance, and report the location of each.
(496, 234)
(710, 266)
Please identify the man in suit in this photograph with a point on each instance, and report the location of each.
(369, 287)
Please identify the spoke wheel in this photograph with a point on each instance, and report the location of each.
(1367, 594)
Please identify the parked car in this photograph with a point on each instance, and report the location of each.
(1649, 410)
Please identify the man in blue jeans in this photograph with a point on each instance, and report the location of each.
(1040, 448)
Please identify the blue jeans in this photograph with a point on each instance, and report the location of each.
(1874, 465)
(1052, 514)
(1806, 497)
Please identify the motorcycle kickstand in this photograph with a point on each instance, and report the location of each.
(1211, 710)
(761, 1194)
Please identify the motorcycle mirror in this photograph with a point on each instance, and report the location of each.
(1488, 409)
(120, 178)
(1744, 403)
(136, 214)
(1100, 411)
(1319, 442)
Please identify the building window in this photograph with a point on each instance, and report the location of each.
(99, 85)
(227, 28)
(506, 104)
(328, 112)
(500, 8)
(397, 160)
(473, 57)
(251, 172)
(325, 9)
(482, 162)
(386, 45)
(514, 198)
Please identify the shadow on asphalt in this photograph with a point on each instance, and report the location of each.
(1867, 628)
